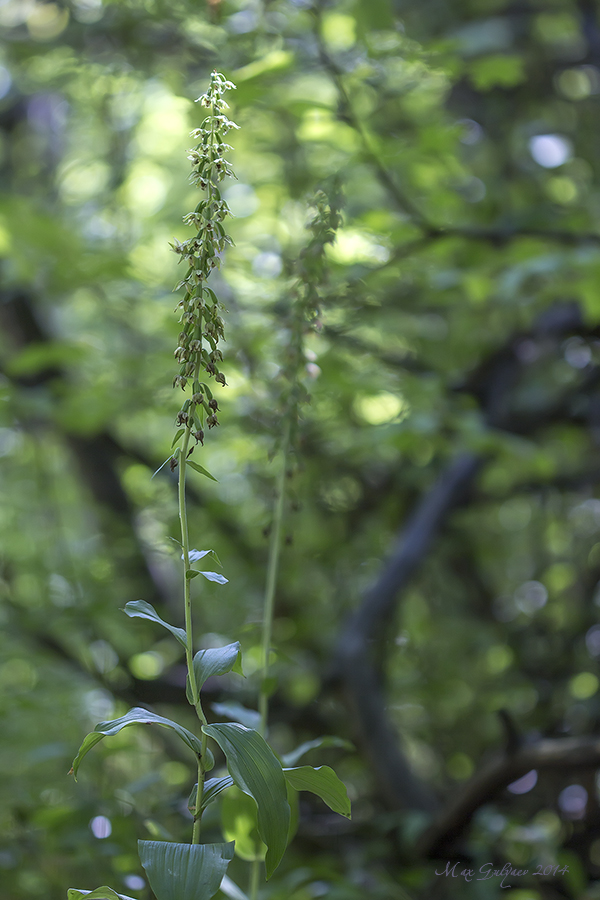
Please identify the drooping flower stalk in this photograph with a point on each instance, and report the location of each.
(198, 347)
(303, 316)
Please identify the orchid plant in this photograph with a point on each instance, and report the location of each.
(256, 778)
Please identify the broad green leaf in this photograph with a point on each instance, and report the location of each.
(323, 782)
(141, 610)
(101, 893)
(291, 758)
(201, 469)
(231, 890)
(217, 661)
(257, 772)
(233, 710)
(214, 576)
(136, 716)
(240, 825)
(184, 871)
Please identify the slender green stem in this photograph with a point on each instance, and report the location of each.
(254, 879)
(187, 598)
(271, 582)
(189, 645)
(197, 813)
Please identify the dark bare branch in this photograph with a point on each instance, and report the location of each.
(358, 667)
(550, 753)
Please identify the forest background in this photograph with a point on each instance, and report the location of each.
(438, 603)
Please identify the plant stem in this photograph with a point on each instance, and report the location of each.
(271, 582)
(189, 645)
(197, 813)
(254, 879)
(187, 599)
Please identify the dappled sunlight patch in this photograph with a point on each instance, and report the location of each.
(146, 188)
(354, 246)
(584, 685)
(381, 408)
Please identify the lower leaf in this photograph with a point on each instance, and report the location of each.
(184, 871)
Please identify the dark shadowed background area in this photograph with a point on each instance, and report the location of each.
(439, 598)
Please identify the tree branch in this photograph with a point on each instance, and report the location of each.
(549, 753)
(356, 663)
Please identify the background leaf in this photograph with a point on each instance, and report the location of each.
(231, 709)
(240, 825)
(290, 759)
(231, 890)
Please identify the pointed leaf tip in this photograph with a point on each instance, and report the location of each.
(142, 610)
(200, 469)
(214, 576)
(324, 783)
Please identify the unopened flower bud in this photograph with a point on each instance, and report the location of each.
(211, 421)
(199, 435)
(213, 404)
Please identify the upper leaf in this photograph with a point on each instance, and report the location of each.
(135, 716)
(217, 661)
(323, 782)
(141, 610)
(256, 770)
(184, 871)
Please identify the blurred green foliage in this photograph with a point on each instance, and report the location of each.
(464, 134)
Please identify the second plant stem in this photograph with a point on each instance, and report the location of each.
(189, 645)
(271, 582)
(268, 611)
